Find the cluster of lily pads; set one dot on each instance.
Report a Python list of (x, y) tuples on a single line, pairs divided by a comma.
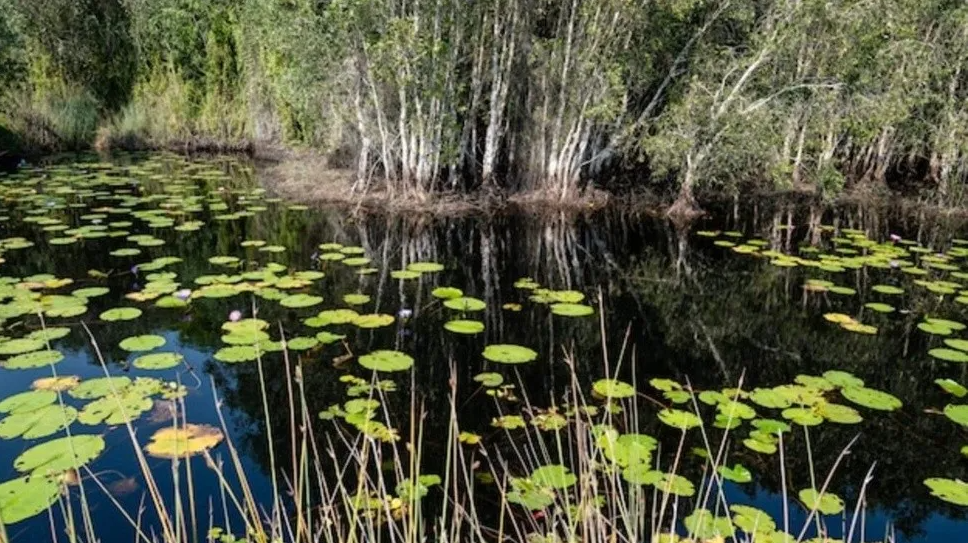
[(905, 268)]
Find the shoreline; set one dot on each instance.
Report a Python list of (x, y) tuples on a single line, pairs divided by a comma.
[(305, 177)]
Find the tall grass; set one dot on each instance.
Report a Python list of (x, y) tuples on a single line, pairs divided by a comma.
[(368, 478), (59, 118)]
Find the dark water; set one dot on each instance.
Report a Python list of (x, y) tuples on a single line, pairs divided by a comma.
[(685, 308)]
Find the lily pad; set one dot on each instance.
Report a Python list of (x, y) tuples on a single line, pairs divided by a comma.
[(874, 399), (158, 361), (509, 354), (572, 310), (142, 343), (373, 320), (736, 474), (613, 388), (300, 301), (948, 355), (952, 387), (99, 387), (20, 346), (26, 497), (121, 314), (957, 413), (386, 360), (116, 409), (39, 423), (61, 383), (826, 503), (24, 402), (236, 353), (36, 359), (356, 299), (465, 304), (180, 442), (950, 490), (554, 476), (677, 418), (425, 267), (464, 326), (59, 455), (447, 293)]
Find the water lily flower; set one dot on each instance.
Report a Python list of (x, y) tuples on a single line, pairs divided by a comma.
[(235, 315), (895, 238), (405, 313), (183, 294), (895, 263), (134, 269)]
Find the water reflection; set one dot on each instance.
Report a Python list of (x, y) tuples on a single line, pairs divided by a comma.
[(673, 305)]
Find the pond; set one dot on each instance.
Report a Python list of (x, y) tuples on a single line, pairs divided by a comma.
[(174, 336)]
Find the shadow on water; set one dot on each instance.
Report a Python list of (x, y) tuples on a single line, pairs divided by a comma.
[(680, 306)]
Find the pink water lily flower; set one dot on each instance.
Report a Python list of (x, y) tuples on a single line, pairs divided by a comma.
[(235, 315)]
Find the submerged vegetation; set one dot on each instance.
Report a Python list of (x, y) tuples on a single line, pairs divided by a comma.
[(266, 381), (550, 97)]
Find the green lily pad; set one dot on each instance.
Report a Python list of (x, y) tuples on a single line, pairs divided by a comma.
[(641, 474), (464, 326), (613, 388), (447, 293), (300, 300), (957, 413), (677, 485), (99, 387), (842, 379), (840, 414), (950, 490), (572, 310), (27, 497), (59, 455), (24, 402), (36, 359), (737, 474), (879, 307), (948, 355), (752, 520), (90, 292), (121, 314), (702, 524), (158, 361), (236, 354), (874, 399), (50, 334), (509, 354), (465, 304), (489, 379), (301, 343), (425, 267), (326, 338), (404, 275), (826, 503), (952, 387), (116, 409), (887, 289), (356, 299), (142, 343), (386, 360), (802, 416), (677, 418), (336, 316), (22, 345), (373, 320), (38, 423), (554, 476)]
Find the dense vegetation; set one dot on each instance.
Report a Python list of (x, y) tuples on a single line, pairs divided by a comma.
[(512, 95)]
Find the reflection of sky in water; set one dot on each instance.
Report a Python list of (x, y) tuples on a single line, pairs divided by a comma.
[(754, 316)]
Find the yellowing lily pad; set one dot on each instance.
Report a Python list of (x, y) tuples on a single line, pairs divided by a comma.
[(184, 441)]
